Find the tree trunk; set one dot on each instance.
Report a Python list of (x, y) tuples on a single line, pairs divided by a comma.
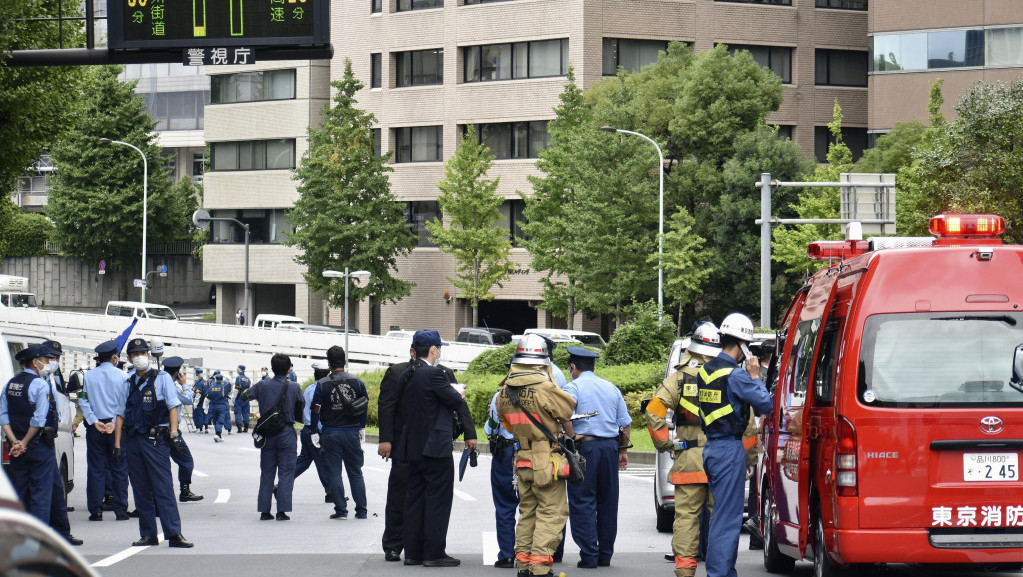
[(475, 293), (571, 313), (475, 312), (679, 325)]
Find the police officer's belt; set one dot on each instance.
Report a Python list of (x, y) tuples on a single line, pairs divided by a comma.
[(588, 438)]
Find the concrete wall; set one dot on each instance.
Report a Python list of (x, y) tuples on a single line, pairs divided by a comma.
[(67, 282)]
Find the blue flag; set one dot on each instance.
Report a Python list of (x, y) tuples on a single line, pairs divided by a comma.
[(123, 337)]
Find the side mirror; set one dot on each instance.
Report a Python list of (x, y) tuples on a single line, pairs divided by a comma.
[(1017, 367)]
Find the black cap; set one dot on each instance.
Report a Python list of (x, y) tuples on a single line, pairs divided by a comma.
[(138, 346), (173, 362), (336, 357), (106, 348)]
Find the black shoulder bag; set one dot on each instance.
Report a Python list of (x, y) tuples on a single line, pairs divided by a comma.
[(576, 462), (271, 423)]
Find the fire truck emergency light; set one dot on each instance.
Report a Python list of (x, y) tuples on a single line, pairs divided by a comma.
[(967, 226), (836, 249)]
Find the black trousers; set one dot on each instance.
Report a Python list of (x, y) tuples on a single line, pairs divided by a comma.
[(431, 485), (394, 510)]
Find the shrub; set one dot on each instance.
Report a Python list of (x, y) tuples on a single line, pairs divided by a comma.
[(644, 340), (28, 234), (492, 362), (372, 381)]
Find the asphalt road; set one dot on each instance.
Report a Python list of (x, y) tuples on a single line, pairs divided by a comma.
[(231, 540)]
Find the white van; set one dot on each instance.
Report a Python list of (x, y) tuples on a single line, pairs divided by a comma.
[(267, 321), (141, 310), (14, 292), (567, 336)]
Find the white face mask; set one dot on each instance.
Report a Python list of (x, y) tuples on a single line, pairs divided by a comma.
[(140, 362), (44, 371), (54, 366), (264, 374)]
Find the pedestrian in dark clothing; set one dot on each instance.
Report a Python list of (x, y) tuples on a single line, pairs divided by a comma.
[(279, 452)]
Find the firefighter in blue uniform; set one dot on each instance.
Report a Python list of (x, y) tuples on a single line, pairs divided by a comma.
[(502, 487), (726, 395), (58, 504), (28, 416), (98, 400), (147, 429), (219, 391), (604, 440), (241, 400), (184, 459), (199, 417)]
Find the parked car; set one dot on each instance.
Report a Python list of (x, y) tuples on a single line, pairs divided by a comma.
[(308, 328), (140, 310), (269, 321), (484, 336), (570, 336), (400, 334)]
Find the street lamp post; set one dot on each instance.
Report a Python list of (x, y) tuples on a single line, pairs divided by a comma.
[(145, 205), (346, 275), (660, 226), (202, 219)]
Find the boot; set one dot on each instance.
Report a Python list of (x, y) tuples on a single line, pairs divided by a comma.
[(187, 495), (239, 429)]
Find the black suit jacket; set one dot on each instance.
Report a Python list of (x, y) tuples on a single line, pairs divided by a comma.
[(389, 416), (427, 403)]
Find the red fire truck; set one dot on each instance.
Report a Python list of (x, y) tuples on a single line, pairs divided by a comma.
[(898, 421)]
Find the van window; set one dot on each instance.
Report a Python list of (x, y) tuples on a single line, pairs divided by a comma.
[(501, 338), (119, 311), (824, 374), (922, 360), (160, 313), (802, 353)]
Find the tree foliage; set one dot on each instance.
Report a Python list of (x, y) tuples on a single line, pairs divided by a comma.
[(470, 202), (345, 215), (28, 234), (96, 201), (644, 339), (687, 264)]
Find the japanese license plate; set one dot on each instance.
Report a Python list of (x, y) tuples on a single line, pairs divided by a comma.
[(990, 467)]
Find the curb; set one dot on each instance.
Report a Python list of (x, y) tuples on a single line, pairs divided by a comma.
[(635, 457)]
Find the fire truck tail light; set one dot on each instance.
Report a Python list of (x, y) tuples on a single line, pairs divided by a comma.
[(967, 225), (836, 249), (846, 479), (845, 449)]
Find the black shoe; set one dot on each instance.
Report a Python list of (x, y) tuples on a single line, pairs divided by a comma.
[(670, 557), (266, 517), (603, 563), (412, 561), (108, 504), (72, 539), (584, 565), (360, 515), (391, 555), (523, 573), (179, 541), (282, 516), (445, 561), (327, 498), (69, 509), (122, 516), (96, 517), (187, 495), (135, 513), (145, 542), (506, 563), (339, 515)]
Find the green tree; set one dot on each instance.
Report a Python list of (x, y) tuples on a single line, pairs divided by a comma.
[(28, 235), (645, 339), (894, 150), (96, 199), (346, 215), (686, 262), (469, 199)]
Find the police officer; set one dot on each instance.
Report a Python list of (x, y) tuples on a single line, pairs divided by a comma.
[(183, 460), (340, 409), (58, 504), (219, 391), (147, 430), (679, 394), (541, 469), (99, 399), (603, 439), (726, 394), (199, 416), (241, 400), (277, 455), (502, 484), (310, 454), (28, 417)]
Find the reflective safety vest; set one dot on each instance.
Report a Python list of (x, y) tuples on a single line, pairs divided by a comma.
[(719, 418)]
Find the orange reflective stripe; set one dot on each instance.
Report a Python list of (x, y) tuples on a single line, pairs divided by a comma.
[(749, 442), (661, 434), (520, 418), (523, 463), (657, 408), (541, 560), (688, 478), (685, 562), (523, 557)]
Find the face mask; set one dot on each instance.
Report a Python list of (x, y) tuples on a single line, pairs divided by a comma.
[(44, 370), (140, 362), (264, 374), (54, 367)]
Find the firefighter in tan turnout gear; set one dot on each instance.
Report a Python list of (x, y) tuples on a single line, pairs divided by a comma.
[(541, 470), (678, 395)]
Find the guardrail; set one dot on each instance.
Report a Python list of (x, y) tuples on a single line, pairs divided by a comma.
[(219, 346)]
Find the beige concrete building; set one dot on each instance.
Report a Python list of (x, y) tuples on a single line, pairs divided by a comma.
[(431, 67)]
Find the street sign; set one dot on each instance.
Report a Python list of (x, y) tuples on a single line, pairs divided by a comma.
[(219, 56), (102, 267), (148, 24), (201, 219), (139, 283), (162, 269)]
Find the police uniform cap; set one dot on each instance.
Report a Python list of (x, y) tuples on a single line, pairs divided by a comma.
[(106, 348), (33, 351), (53, 347), (198, 371), (427, 338), (137, 346), (241, 367), (581, 353), (173, 362)]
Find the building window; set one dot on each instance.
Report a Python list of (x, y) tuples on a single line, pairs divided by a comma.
[(776, 2), (955, 49), (948, 49), (276, 154), (854, 138), (470, 2), (632, 55), (417, 214), (377, 141), (374, 69), (177, 110), (511, 219), (419, 68), (406, 5), (1004, 47), (785, 131), (266, 226), (198, 166), (508, 140), (841, 68), (376, 6), (777, 59), (537, 59), (419, 144), (253, 86), (843, 4)]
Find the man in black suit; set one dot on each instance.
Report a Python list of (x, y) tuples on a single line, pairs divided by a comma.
[(389, 419), (428, 400)]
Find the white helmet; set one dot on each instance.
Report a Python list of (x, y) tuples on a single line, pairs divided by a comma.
[(531, 350), (739, 326), (705, 340)]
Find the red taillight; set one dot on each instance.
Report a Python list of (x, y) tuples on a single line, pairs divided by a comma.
[(836, 249), (967, 225), (845, 449)]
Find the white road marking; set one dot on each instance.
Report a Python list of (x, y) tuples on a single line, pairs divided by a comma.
[(223, 495), (198, 474), (251, 449), (121, 556), (490, 547), (377, 469), (464, 496)]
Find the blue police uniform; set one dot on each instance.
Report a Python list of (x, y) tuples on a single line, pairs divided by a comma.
[(102, 389), (144, 416), (241, 400), (219, 393), (310, 455), (199, 417), (724, 460), (278, 454), (183, 459), (502, 471), (58, 502), (593, 505)]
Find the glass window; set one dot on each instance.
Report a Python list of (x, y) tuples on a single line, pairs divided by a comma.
[(377, 141), (854, 138), (1004, 47), (507, 140), (419, 144), (495, 62), (841, 68), (511, 217), (900, 52), (497, 137), (254, 155), (785, 132), (374, 70), (406, 5), (777, 59), (253, 86), (629, 54), (417, 215), (843, 4), (545, 58), (419, 68), (225, 155), (955, 49), (376, 6), (824, 373), (537, 59)]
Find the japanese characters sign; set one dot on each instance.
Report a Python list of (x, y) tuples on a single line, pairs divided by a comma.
[(218, 56), (973, 516)]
